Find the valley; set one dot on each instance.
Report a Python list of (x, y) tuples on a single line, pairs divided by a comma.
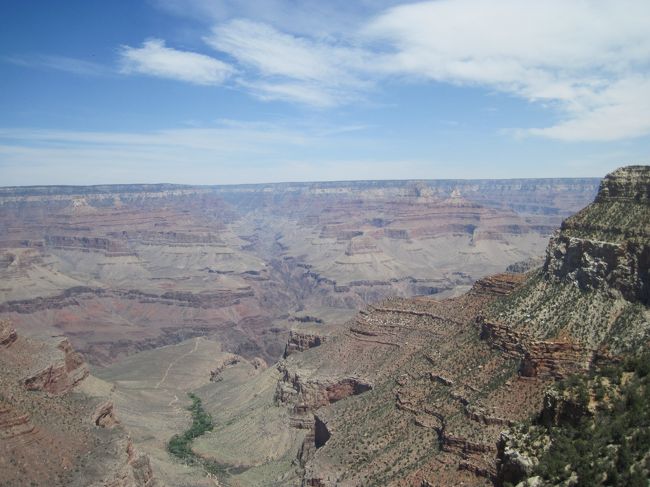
[(336, 333), (294, 243)]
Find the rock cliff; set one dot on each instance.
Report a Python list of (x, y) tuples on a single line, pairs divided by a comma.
[(607, 245), (51, 431), (301, 340)]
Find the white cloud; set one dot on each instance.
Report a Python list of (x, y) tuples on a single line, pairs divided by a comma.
[(314, 18), (589, 59), (586, 61), (154, 59), (619, 111), (284, 66)]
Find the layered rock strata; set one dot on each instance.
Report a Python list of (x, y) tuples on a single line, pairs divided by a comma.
[(120, 269), (52, 436), (607, 245), (539, 358)]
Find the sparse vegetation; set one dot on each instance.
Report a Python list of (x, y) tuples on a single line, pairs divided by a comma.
[(606, 441), (181, 445)]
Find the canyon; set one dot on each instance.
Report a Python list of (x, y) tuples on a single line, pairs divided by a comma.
[(419, 391), (360, 333), (122, 269)]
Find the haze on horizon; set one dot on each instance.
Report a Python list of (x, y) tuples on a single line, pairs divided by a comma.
[(218, 92)]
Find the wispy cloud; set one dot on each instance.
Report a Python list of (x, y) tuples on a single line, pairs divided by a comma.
[(288, 67), (60, 63), (230, 152), (155, 59), (312, 18), (589, 60)]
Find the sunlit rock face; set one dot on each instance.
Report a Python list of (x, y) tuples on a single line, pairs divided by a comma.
[(607, 244)]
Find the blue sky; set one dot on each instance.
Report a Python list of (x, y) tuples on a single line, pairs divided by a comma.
[(213, 92)]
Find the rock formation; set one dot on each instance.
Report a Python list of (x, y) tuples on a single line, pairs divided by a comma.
[(412, 391), (299, 341), (51, 436), (607, 245), (7, 334), (61, 374)]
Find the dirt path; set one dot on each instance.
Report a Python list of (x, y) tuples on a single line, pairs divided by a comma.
[(173, 362)]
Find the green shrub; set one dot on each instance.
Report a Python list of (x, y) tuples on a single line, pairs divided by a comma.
[(181, 445), (607, 447)]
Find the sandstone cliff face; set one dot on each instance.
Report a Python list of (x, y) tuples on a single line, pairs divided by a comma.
[(539, 358), (305, 393), (607, 245), (591, 264), (630, 183)]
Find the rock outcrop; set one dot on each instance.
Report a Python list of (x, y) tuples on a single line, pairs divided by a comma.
[(606, 246), (629, 183), (299, 341), (51, 436), (498, 284), (59, 377), (229, 361), (7, 334), (104, 415), (593, 264), (306, 394), (14, 424), (512, 464), (135, 470)]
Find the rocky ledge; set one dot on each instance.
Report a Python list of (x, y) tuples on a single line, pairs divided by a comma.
[(13, 423), (306, 395), (538, 358), (66, 371)]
